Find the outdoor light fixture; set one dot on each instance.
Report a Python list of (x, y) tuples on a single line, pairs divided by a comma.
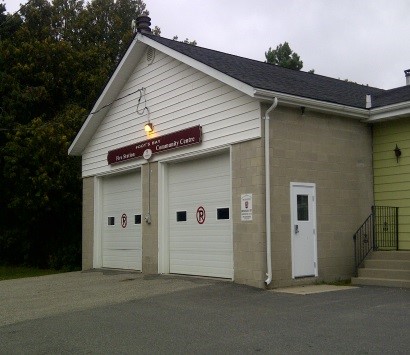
[(148, 127), (397, 153)]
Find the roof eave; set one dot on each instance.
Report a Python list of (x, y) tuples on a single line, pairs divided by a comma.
[(321, 106), (390, 112)]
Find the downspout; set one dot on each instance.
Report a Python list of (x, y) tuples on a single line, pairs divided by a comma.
[(267, 195)]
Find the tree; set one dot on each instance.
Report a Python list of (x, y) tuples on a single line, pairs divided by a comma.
[(54, 61), (284, 57), (43, 194), (186, 40)]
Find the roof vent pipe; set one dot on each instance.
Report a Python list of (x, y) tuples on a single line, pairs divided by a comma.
[(407, 73), (143, 24), (368, 101)]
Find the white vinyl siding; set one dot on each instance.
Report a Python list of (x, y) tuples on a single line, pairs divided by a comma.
[(121, 245), (178, 97), (200, 249)]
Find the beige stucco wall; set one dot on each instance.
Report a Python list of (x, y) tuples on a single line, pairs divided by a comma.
[(88, 223), (335, 153), (150, 231), (249, 245)]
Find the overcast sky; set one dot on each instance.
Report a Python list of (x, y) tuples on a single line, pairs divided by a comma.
[(366, 41)]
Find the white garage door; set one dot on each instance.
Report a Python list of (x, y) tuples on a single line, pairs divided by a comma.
[(121, 229), (200, 232)]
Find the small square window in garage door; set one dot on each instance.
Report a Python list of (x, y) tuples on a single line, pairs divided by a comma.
[(222, 213)]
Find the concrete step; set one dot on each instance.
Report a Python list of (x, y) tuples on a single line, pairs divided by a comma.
[(390, 255), (366, 281), (384, 274), (387, 264)]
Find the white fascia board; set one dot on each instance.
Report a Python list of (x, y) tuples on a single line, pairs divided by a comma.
[(390, 112), (109, 94), (322, 106), (226, 79)]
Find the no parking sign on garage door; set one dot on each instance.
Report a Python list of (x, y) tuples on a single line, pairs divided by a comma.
[(200, 215), (124, 220)]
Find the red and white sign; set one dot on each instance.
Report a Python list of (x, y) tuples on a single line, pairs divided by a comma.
[(175, 140), (200, 215), (246, 207), (123, 220)]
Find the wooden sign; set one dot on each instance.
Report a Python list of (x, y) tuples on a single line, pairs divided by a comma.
[(175, 140)]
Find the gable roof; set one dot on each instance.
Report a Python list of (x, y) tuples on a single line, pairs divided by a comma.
[(273, 78), (257, 79)]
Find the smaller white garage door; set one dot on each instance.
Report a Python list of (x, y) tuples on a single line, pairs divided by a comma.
[(200, 225), (121, 229)]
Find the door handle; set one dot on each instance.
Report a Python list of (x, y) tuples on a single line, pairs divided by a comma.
[(296, 229)]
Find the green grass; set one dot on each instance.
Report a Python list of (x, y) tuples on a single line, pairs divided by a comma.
[(339, 282), (18, 272)]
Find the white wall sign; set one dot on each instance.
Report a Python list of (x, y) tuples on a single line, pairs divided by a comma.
[(246, 207), (147, 154)]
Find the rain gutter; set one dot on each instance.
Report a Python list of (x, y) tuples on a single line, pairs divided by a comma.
[(321, 106)]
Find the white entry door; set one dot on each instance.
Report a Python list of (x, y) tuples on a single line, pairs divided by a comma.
[(303, 229)]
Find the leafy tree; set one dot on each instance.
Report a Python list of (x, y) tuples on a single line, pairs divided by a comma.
[(107, 24), (284, 57), (156, 31), (43, 191), (54, 61), (66, 18), (7, 22)]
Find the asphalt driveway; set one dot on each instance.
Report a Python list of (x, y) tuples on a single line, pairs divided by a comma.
[(107, 313)]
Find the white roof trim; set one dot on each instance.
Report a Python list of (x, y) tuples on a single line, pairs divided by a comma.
[(390, 112), (109, 94), (323, 106)]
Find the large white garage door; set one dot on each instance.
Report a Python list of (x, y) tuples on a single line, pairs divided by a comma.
[(200, 232), (121, 229)]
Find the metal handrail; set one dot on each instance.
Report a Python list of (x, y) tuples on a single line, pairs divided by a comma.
[(363, 241), (379, 231)]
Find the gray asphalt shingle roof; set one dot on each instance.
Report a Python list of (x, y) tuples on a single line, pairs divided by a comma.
[(270, 77), (391, 97)]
